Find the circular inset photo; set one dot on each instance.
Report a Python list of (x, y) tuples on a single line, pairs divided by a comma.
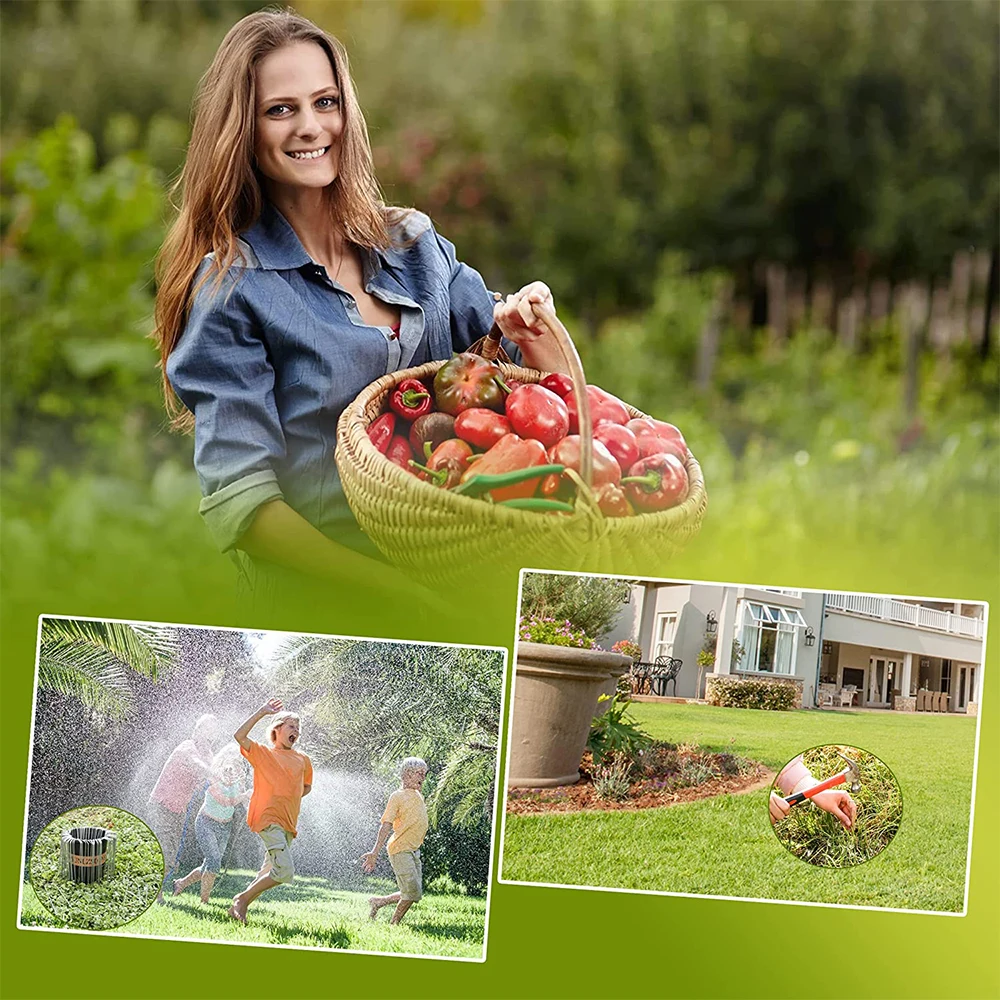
[(96, 868), (835, 806)]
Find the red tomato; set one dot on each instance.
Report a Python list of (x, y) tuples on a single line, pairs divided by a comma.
[(537, 413), (653, 444), (567, 452), (482, 428), (558, 383), (603, 406), (648, 425), (620, 441)]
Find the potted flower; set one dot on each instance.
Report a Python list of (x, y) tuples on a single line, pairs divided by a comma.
[(560, 672)]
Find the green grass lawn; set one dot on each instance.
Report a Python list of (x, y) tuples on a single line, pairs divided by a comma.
[(308, 913), (725, 846)]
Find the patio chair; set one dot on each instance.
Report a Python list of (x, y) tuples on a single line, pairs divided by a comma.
[(847, 693), (639, 677), (665, 669), (827, 692), (922, 700)]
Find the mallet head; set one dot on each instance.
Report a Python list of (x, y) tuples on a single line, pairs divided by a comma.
[(855, 773)]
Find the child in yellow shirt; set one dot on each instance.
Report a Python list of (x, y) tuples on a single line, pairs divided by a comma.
[(405, 818)]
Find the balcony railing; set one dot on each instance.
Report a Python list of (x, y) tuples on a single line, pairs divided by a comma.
[(890, 610)]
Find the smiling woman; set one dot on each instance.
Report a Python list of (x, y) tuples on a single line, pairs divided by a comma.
[(286, 286)]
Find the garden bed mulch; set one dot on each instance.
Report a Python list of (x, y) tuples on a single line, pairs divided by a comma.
[(655, 789)]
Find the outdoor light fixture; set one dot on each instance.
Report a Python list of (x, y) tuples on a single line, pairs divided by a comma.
[(810, 636), (827, 647), (711, 623)]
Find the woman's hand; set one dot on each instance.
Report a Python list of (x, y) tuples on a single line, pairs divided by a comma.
[(778, 808), (838, 803), (516, 318)]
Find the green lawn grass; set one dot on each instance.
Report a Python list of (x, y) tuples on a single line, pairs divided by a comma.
[(724, 846), (308, 913)]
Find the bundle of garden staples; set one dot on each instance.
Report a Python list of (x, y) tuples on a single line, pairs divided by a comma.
[(87, 853), (473, 462)]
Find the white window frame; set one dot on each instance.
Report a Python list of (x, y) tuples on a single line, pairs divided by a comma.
[(753, 618), (662, 645)]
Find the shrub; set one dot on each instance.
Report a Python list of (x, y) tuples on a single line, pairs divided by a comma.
[(615, 735), (591, 604), (751, 692), (550, 632), (612, 780), (693, 772)]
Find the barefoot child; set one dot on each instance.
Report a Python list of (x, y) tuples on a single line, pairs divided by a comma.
[(281, 776), (405, 817)]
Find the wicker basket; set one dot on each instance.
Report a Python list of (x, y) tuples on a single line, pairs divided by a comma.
[(444, 537)]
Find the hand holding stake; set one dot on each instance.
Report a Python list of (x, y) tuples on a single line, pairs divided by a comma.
[(851, 772)]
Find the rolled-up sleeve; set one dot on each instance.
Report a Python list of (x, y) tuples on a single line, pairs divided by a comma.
[(221, 371), (471, 303)]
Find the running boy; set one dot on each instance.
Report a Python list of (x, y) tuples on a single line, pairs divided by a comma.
[(281, 776), (405, 817)]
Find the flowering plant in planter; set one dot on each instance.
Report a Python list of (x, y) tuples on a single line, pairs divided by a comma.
[(628, 647), (550, 632)]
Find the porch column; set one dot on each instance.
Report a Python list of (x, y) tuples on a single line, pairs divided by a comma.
[(904, 680), (906, 702), (727, 629)]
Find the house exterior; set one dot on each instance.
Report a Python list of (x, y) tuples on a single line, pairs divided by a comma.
[(894, 652)]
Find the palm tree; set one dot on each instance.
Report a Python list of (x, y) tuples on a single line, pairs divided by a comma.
[(91, 660), (376, 702)]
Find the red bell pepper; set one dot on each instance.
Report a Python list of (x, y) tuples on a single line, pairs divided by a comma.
[(411, 399), (656, 483), (380, 431), (447, 464), (467, 381), (399, 452), (567, 452), (511, 453), (482, 428), (538, 413), (603, 406)]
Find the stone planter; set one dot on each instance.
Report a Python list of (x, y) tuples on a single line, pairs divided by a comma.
[(555, 699)]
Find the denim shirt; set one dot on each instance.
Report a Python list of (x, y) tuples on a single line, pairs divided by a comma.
[(270, 359)]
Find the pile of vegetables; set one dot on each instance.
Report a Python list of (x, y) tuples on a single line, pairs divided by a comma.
[(512, 444)]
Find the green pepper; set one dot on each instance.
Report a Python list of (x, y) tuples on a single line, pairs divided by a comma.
[(538, 504)]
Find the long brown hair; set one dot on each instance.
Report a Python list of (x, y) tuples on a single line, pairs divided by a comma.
[(219, 186)]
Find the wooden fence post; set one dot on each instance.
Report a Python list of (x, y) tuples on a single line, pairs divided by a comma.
[(708, 342), (776, 278), (912, 302)]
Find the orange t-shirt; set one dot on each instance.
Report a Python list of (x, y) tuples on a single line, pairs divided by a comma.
[(278, 779)]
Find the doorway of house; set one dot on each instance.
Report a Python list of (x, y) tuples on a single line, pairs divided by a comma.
[(881, 674), (855, 676)]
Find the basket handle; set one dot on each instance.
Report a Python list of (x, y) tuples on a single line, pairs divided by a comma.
[(490, 348)]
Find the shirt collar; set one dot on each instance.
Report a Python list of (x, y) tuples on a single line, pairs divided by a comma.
[(278, 248)]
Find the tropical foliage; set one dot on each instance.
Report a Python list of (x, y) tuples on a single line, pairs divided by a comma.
[(92, 661)]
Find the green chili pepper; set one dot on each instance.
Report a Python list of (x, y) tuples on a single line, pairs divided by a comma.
[(538, 504), (477, 485)]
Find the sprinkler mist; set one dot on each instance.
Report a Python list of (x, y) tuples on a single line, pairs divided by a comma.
[(87, 853)]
